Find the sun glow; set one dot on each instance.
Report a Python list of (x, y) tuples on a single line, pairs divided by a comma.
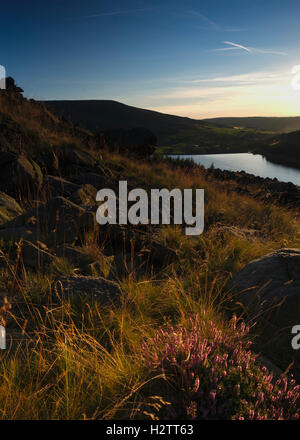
[(262, 94)]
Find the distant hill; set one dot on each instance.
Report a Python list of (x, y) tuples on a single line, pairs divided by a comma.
[(283, 148), (274, 124), (98, 115), (181, 134)]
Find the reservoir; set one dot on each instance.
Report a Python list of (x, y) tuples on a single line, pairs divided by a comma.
[(250, 163)]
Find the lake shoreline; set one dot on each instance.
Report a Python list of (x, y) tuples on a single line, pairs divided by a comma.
[(270, 190), (275, 158), (251, 163), (266, 189)]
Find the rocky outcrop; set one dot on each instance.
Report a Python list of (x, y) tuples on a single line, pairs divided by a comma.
[(282, 193), (74, 160), (62, 221), (87, 288), (57, 186), (55, 222), (11, 88), (67, 160), (76, 256), (9, 208), (85, 196), (97, 180), (19, 175), (242, 233), (269, 289), (268, 281), (15, 234), (36, 255)]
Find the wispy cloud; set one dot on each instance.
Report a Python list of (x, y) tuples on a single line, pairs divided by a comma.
[(209, 87), (249, 49), (243, 79), (264, 94), (121, 12), (212, 25), (251, 93)]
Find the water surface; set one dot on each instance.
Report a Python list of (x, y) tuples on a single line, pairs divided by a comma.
[(248, 162)]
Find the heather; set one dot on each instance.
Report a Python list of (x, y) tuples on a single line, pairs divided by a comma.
[(214, 374)]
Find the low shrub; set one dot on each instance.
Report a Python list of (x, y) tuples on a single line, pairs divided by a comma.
[(213, 374)]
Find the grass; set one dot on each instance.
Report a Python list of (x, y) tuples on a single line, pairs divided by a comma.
[(80, 361), (28, 126)]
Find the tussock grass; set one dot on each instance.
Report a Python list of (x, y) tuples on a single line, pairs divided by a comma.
[(83, 361)]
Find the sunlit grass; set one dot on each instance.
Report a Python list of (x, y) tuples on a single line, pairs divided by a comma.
[(83, 360)]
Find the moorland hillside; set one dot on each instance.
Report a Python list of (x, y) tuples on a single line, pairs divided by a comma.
[(138, 321)]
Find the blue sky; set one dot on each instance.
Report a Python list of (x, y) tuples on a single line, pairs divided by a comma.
[(192, 58)]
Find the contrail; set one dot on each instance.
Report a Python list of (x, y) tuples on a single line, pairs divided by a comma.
[(212, 24), (239, 46), (236, 46), (106, 14)]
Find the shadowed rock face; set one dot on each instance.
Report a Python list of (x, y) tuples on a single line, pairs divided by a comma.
[(75, 255), (58, 221), (57, 186), (269, 288), (270, 280), (9, 208), (19, 175), (97, 180), (11, 88)]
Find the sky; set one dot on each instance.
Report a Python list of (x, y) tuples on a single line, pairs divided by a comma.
[(189, 57)]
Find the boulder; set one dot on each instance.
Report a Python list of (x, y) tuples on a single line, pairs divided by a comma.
[(72, 158), (102, 267), (118, 239), (55, 222), (75, 255), (242, 233), (15, 234), (57, 186), (62, 221), (19, 175), (48, 161), (85, 196), (138, 263), (269, 289), (97, 180), (65, 160), (161, 255), (36, 255), (87, 288), (81, 194), (268, 281), (9, 208)]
